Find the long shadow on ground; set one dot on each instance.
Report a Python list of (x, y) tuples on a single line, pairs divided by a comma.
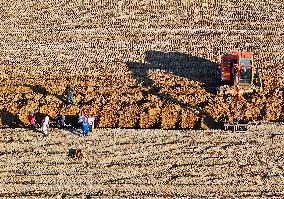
[(10, 119), (180, 64), (184, 65)]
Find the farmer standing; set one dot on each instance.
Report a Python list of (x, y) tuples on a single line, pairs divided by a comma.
[(85, 127), (32, 119), (91, 122), (60, 120), (45, 125), (69, 92)]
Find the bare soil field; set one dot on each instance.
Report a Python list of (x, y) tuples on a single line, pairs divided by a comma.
[(138, 63), (142, 163)]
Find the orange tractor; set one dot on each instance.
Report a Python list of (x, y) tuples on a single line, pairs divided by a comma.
[(237, 69)]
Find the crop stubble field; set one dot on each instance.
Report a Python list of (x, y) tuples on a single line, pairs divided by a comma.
[(143, 163), (141, 64), (137, 63)]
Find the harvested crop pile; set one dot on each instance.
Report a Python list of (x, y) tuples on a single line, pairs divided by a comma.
[(129, 117), (170, 116), (149, 53), (150, 117), (109, 116), (188, 119), (274, 105)]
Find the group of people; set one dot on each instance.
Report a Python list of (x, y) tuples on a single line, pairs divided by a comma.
[(87, 124)]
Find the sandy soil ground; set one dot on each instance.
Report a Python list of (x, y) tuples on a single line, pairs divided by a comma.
[(142, 163), (139, 64)]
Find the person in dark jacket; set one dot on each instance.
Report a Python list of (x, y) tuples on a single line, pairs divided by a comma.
[(69, 95), (60, 121)]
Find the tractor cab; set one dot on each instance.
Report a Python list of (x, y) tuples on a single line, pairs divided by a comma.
[(237, 68), (238, 64)]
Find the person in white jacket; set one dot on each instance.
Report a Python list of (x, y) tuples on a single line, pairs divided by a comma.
[(91, 122), (45, 125)]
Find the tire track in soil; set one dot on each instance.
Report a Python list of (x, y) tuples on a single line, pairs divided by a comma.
[(179, 162)]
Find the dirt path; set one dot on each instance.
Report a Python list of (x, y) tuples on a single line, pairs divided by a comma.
[(142, 163)]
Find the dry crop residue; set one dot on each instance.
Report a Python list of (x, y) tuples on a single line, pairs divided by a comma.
[(142, 163), (146, 64)]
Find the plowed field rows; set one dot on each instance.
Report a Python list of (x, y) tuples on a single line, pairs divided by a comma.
[(138, 63), (142, 163)]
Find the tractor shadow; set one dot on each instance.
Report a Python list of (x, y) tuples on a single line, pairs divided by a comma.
[(180, 64), (183, 65)]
